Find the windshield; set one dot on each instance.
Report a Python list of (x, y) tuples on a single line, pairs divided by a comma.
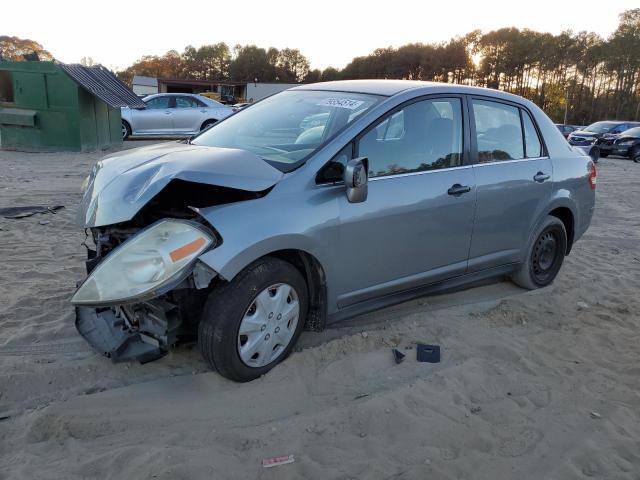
[(632, 132), (288, 127), (600, 127)]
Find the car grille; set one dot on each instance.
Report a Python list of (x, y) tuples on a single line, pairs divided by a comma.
[(579, 140)]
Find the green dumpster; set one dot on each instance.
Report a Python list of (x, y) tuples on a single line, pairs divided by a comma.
[(47, 106)]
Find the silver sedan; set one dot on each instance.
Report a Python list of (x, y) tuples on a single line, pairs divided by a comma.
[(172, 114)]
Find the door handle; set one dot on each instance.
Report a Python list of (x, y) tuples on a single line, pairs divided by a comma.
[(458, 189), (541, 177)]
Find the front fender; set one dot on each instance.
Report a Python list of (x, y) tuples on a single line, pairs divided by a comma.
[(255, 228)]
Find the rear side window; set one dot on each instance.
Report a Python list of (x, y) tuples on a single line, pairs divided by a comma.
[(532, 144), (424, 135), (186, 102), (498, 131)]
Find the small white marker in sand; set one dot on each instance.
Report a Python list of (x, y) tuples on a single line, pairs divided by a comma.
[(275, 461)]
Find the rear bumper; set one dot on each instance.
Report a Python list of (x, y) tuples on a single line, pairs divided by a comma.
[(143, 332)]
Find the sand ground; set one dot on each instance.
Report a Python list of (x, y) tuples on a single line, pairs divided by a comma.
[(532, 385)]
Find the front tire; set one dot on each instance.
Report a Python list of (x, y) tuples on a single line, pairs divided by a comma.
[(251, 324), (126, 130), (604, 154), (544, 255)]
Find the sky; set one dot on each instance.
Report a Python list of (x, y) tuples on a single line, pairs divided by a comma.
[(329, 32)]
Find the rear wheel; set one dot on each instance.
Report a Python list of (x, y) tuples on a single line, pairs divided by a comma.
[(208, 124), (634, 154), (126, 130), (251, 324), (544, 256)]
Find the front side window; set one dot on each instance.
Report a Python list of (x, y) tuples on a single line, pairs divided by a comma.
[(498, 131), (157, 103), (290, 126), (425, 135)]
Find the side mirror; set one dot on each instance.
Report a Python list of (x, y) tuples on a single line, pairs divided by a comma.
[(356, 179)]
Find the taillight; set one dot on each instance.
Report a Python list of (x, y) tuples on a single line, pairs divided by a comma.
[(592, 175)]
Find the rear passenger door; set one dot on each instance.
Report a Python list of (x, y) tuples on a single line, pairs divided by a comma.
[(513, 180)]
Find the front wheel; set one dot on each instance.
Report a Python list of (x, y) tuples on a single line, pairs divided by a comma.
[(251, 324), (544, 255), (126, 130)]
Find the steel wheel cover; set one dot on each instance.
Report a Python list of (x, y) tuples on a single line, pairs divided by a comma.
[(268, 325)]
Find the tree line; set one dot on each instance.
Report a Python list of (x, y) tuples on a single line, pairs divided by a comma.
[(218, 62), (578, 75)]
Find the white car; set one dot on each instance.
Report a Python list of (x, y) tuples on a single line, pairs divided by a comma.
[(172, 114)]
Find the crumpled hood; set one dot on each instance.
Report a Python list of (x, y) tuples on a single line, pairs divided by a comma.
[(122, 183)]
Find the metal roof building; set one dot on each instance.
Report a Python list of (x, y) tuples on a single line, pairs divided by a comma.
[(52, 106)]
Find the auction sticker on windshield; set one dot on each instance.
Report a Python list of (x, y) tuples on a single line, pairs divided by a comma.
[(340, 103)]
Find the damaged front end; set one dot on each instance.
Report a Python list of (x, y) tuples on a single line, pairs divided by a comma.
[(148, 293), (146, 288)]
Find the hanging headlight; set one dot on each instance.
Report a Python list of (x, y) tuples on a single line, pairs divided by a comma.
[(144, 264)]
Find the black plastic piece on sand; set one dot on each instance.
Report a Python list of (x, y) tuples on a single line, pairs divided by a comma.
[(428, 353), (16, 213), (398, 356)]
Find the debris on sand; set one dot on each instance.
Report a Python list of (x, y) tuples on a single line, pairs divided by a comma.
[(276, 461), (428, 353), (398, 356), (16, 213)]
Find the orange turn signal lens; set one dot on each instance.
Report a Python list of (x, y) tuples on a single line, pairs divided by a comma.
[(186, 250)]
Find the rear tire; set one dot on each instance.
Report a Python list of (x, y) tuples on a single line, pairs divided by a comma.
[(229, 304), (545, 255), (126, 130), (634, 154), (208, 124)]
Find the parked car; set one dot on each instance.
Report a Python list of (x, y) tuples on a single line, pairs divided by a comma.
[(172, 114), (566, 129), (627, 144), (600, 135), (228, 99), (240, 106), (248, 235)]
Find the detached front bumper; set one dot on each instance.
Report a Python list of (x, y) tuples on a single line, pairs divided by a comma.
[(142, 332)]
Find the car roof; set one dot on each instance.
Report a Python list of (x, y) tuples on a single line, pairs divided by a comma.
[(390, 88), (617, 122), (374, 87)]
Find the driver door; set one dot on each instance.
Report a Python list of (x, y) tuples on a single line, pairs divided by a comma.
[(155, 119), (415, 226)]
